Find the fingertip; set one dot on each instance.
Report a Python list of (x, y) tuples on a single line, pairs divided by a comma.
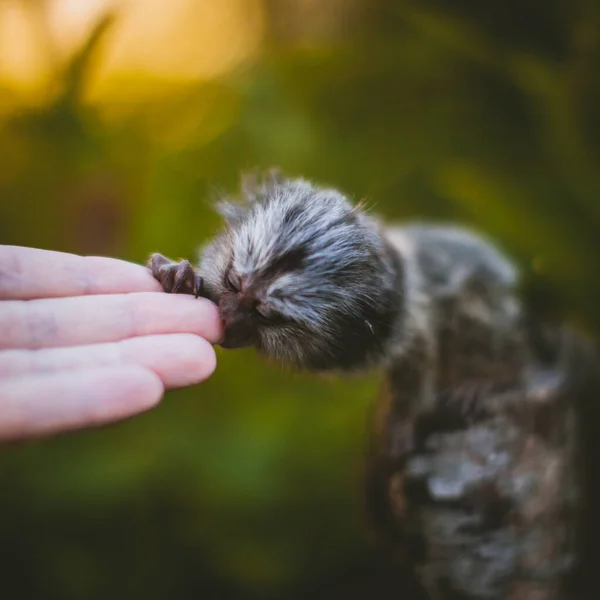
[(207, 360), (143, 386), (201, 315), (176, 313), (213, 325), (196, 362), (110, 275), (119, 392)]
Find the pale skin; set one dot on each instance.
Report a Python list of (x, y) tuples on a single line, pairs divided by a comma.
[(86, 341)]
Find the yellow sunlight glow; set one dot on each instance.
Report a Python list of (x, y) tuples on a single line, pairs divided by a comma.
[(174, 40)]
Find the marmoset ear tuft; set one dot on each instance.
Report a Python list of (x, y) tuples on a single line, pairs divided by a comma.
[(254, 184), (232, 212)]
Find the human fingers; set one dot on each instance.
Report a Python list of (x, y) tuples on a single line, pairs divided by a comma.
[(87, 320), (178, 359), (28, 273), (49, 403)]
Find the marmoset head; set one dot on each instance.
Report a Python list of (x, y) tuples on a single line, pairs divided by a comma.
[(304, 276)]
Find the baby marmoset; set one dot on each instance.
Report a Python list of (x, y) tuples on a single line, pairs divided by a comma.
[(315, 282)]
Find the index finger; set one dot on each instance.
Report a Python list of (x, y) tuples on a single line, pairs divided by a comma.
[(29, 273)]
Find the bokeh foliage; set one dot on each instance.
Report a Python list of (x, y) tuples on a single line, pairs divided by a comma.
[(249, 485)]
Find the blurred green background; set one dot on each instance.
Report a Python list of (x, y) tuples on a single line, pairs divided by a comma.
[(121, 121)]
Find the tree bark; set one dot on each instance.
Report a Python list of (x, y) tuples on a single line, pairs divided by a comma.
[(489, 493)]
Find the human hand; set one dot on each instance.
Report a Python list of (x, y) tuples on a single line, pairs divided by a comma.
[(88, 340)]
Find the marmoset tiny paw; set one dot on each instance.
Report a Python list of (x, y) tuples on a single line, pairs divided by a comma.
[(175, 277)]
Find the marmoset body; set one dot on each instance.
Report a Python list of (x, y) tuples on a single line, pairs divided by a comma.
[(478, 496)]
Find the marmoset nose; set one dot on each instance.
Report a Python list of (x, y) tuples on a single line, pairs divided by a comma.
[(251, 292), (248, 300), (236, 313)]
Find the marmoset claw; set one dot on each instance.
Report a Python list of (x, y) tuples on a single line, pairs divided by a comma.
[(175, 277)]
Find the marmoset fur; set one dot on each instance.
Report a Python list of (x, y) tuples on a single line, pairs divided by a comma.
[(315, 282)]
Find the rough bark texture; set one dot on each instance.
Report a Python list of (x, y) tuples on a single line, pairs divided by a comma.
[(484, 494)]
